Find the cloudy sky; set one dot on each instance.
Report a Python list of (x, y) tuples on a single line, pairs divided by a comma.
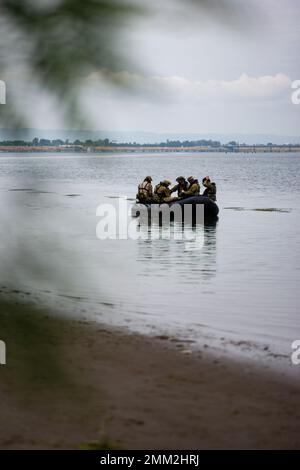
[(211, 70)]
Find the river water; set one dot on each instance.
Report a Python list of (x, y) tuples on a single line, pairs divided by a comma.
[(239, 292)]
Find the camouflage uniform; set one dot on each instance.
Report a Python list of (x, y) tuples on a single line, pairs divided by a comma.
[(145, 191), (162, 192), (193, 189), (211, 191), (181, 186)]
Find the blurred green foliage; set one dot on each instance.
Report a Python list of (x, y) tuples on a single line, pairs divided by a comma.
[(33, 340), (55, 44)]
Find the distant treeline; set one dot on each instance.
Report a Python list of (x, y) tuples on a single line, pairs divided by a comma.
[(107, 143), (213, 144), (34, 143)]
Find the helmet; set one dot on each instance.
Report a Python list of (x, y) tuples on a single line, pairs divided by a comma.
[(148, 178), (180, 178), (190, 179), (166, 182)]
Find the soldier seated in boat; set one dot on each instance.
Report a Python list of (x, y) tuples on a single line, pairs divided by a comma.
[(182, 185), (210, 188), (162, 192), (193, 188), (145, 191)]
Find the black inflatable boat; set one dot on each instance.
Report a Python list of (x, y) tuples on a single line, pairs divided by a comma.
[(211, 209)]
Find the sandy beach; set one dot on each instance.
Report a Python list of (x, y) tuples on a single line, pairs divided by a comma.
[(71, 384)]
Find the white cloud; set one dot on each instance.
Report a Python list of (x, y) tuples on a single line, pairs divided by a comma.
[(180, 89)]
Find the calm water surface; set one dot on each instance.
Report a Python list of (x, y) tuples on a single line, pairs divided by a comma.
[(239, 292)]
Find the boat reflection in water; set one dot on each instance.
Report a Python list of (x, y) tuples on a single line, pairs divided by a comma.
[(180, 252)]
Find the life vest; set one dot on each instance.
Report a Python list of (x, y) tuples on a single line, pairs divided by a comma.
[(193, 189), (161, 191), (144, 190)]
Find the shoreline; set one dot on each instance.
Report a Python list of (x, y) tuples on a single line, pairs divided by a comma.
[(219, 344), (250, 149), (123, 390)]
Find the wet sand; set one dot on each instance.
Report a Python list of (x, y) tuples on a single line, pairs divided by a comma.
[(127, 391)]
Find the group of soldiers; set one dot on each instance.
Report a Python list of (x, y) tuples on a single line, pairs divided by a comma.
[(184, 188)]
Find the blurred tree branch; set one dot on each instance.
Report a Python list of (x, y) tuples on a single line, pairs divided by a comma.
[(54, 44), (59, 43)]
